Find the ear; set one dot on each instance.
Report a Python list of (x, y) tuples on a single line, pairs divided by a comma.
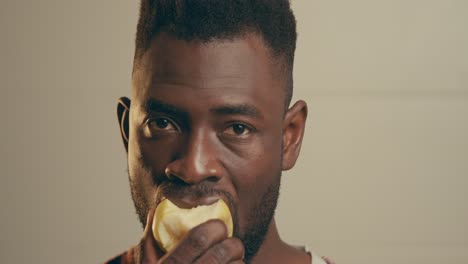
[(293, 132), (123, 112)]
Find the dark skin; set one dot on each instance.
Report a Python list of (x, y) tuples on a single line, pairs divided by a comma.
[(207, 121)]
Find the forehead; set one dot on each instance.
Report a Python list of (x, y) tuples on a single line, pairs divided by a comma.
[(217, 70)]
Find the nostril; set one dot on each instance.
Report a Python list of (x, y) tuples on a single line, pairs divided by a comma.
[(178, 181), (212, 179)]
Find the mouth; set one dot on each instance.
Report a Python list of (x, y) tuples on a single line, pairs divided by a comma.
[(192, 197), (192, 202)]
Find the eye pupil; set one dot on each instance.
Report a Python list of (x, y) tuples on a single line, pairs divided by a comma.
[(162, 123), (238, 129)]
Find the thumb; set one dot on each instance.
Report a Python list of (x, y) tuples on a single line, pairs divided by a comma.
[(148, 250), (149, 223)]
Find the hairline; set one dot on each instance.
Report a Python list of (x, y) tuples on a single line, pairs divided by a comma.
[(284, 66)]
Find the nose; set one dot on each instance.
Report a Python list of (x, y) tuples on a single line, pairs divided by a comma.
[(197, 162)]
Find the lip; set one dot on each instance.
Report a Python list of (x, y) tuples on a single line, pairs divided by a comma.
[(190, 202)]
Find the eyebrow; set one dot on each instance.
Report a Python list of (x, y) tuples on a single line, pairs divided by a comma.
[(238, 109), (153, 106)]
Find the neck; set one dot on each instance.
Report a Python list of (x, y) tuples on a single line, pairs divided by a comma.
[(275, 250)]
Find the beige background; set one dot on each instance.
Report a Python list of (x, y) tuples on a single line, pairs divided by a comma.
[(383, 175)]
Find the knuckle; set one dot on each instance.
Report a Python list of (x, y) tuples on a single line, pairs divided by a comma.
[(221, 228), (171, 260), (203, 235), (220, 253), (227, 250), (216, 227), (197, 239)]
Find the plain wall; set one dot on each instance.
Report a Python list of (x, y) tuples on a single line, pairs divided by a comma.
[(383, 173)]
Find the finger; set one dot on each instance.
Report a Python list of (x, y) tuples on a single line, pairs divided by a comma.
[(150, 251), (197, 241), (237, 262), (230, 249), (149, 222)]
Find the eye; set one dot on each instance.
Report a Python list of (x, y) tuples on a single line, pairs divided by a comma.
[(160, 124), (238, 129)]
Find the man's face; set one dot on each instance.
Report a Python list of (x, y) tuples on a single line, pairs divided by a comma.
[(206, 123)]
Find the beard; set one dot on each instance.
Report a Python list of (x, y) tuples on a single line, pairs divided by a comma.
[(258, 219)]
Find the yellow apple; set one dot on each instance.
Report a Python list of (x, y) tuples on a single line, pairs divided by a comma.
[(171, 223)]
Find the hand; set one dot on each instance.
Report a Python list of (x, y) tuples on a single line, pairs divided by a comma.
[(206, 243)]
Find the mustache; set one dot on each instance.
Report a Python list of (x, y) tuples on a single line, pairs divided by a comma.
[(178, 190)]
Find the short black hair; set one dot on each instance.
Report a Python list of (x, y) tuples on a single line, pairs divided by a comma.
[(209, 20)]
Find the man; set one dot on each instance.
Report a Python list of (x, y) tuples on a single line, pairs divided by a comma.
[(210, 118)]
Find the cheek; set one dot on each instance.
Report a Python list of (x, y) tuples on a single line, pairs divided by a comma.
[(150, 155), (146, 163), (258, 162), (253, 174)]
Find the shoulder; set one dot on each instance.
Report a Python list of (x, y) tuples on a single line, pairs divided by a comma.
[(317, 259), (124, 258), (328, 261)]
